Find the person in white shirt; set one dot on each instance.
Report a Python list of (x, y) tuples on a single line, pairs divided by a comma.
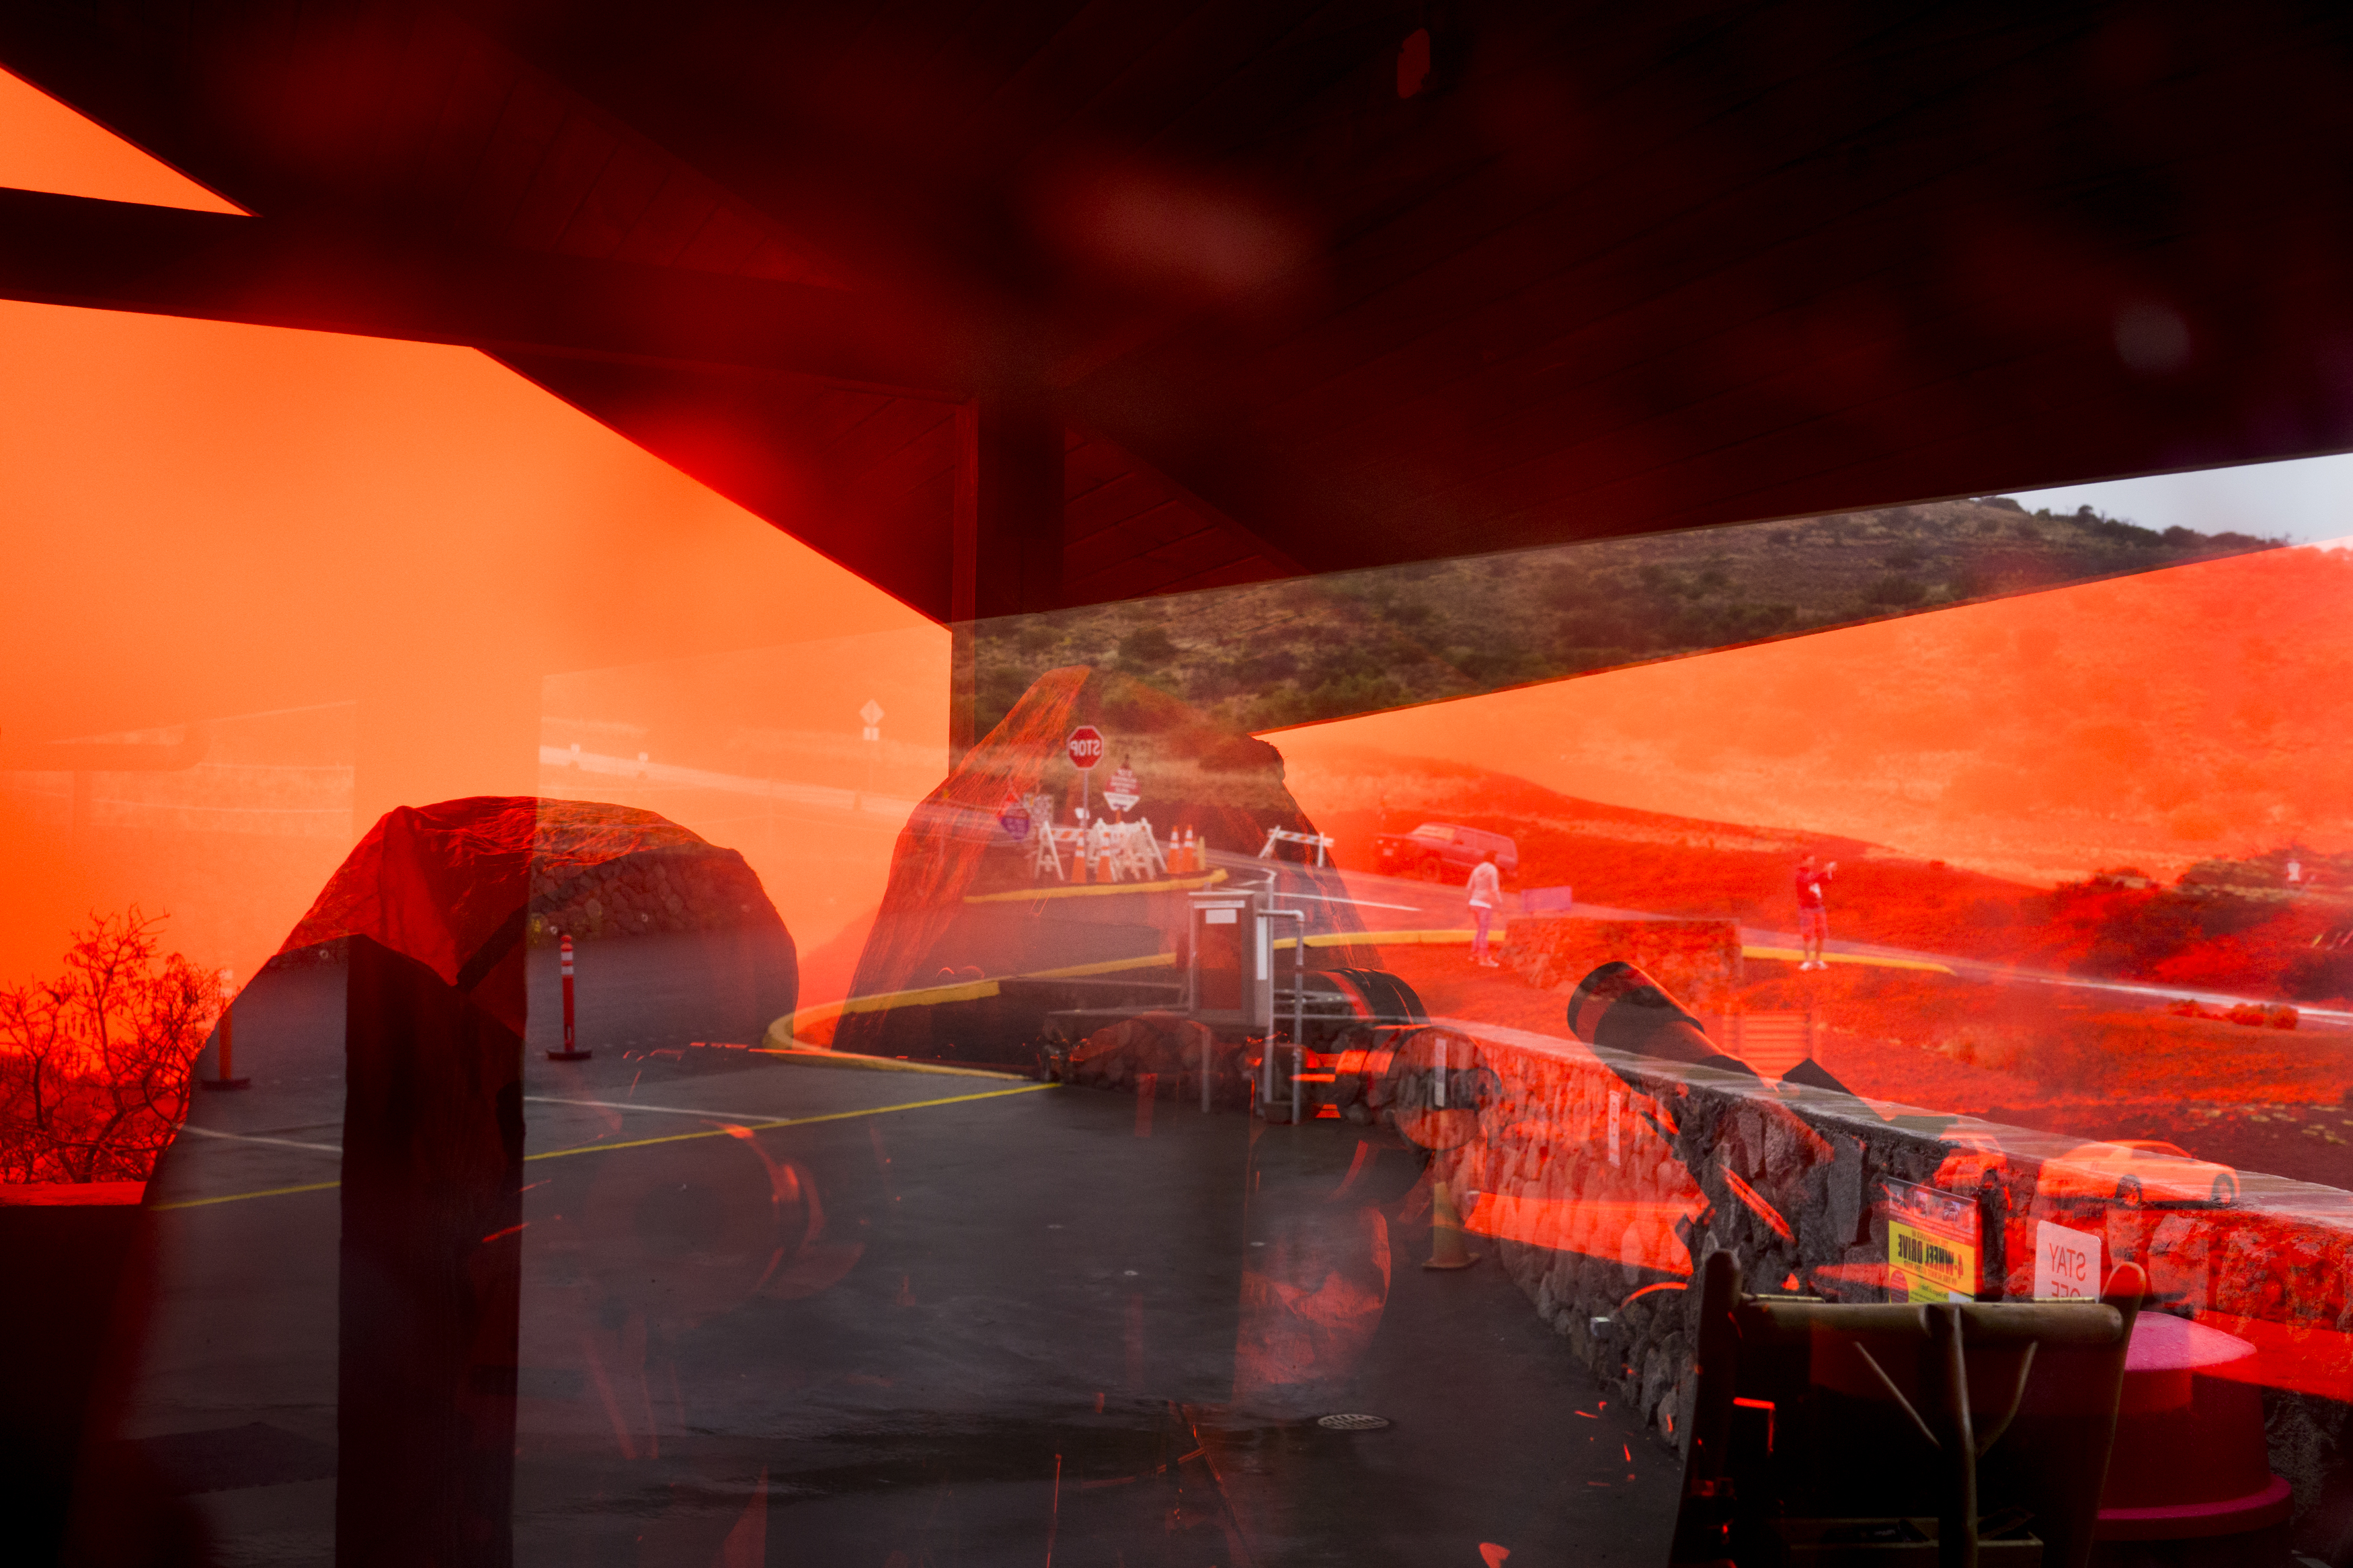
[(1486, 893)]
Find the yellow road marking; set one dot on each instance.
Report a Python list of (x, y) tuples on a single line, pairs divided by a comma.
[(820, 1057), (1090, 889), (1101, 967), (1793, 955), (1389, 938), (784, 1034), (731, 1131), (265, 1193)]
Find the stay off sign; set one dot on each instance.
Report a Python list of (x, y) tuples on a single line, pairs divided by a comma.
[(2066, 1263)]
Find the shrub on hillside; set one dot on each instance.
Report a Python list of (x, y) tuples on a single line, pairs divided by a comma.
[(94, 1064), (1146, 647), (1896, 590)]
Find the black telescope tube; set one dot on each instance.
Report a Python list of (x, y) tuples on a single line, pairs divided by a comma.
[(1619, 1008)]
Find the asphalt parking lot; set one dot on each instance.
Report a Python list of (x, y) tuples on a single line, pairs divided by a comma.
[(784, 1314)]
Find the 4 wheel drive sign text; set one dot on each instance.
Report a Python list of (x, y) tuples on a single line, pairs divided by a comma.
[(1933, 1239)]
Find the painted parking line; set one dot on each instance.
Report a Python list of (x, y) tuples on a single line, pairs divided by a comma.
[(734, 1129), (257, 1138), (734, 1116)]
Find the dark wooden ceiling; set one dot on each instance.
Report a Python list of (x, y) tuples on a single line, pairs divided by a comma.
[(1611, 269)]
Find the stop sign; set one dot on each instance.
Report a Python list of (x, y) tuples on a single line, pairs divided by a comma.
[(1085, 746)]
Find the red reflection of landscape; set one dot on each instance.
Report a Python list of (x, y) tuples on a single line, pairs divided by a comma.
[(2153, 720), (330, 575), (353, 564)]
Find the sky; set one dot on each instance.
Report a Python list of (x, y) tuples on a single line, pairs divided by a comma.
[(2308, 500)]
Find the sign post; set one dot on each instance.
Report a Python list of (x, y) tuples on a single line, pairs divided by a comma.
[(870, 716), (571, 1051), (1085, 747)]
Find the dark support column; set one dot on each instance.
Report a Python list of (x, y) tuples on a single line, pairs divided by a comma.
[(1008, 530), (431, 1266)]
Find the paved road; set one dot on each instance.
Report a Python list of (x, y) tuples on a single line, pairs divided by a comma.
[(1392, 903), (952, 1319)]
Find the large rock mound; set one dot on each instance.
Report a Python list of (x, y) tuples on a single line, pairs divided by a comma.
[(673, 889)]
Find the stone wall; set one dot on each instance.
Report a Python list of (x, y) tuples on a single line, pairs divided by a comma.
[(681, 888), (1697, 960), (1599, 1229)]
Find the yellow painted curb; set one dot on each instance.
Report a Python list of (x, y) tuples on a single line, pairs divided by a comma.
[(1104, 966), (818, 1057), (1393, 939), (1797, 955), (1090, 889), (784, 1034)]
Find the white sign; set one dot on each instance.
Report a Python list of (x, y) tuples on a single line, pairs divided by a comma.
[(871, 714), (2066, 1263), (1121, 794)]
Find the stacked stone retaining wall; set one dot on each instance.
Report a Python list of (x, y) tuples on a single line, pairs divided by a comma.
[(683, 887), (1600, 1176)]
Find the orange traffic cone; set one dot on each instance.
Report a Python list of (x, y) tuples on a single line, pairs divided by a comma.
[(1446, 1248)]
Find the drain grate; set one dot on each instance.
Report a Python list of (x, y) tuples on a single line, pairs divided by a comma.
[(1352, 1422)]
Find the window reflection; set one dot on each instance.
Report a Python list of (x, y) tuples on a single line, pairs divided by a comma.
[(1238, 1089)]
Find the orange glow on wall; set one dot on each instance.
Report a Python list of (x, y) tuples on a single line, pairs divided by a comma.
[(320, 576)]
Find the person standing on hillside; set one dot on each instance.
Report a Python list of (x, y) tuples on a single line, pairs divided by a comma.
[(1486, 893), (1813, 920)]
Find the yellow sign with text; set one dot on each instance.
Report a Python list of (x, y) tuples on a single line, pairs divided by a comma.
[(1933, 1244)]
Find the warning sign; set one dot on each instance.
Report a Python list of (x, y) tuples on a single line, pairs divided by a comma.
[(1934, 1241), (1013, 816), (2066, 1263)]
